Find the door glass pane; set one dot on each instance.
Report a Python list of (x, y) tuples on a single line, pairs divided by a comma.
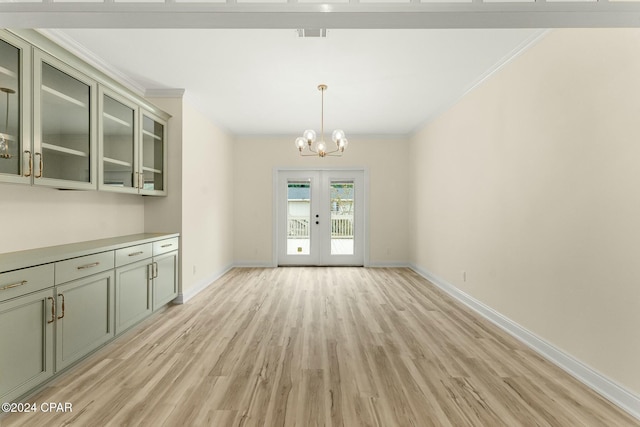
[(66, 124), (298, 218), (152, 155), (118, 143), (9, 109), (342, 208)]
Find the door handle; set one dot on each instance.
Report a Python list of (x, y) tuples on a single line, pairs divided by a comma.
[(53, 310), (61, 316)]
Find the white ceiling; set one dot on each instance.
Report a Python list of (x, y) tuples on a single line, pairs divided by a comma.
[(263, 82)]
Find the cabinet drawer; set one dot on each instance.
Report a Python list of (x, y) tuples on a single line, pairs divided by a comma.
[(76, 268), (20, 282), (164, 246), (133, 253)]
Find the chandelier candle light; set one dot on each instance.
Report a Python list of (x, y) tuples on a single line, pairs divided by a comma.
[(320, 149)]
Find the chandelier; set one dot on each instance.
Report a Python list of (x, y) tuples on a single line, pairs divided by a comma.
[(308, 138)]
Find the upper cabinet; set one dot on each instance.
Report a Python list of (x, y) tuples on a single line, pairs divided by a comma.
[(66, 125), (15, 139), (132, 144), (118, 143), (153, 154), (63, 125)]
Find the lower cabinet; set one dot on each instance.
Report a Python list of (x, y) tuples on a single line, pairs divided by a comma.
[(54, 313), (85, 316), (165, 278), (26, 343), (133, 294)]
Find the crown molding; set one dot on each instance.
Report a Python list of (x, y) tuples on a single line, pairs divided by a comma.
[(164, 93), (76, 48)]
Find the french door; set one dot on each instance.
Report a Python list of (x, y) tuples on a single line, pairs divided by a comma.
[(320, 217)]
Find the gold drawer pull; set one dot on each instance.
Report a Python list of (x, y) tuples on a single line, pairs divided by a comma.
[(30, 163), (62, 316), (136, 253), (53, 310), (13, 285), (41, 163), (82, 267), (167, 245)]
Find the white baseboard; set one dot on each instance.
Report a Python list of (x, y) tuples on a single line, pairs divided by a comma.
[(200, 286), (253, 264), (391, 264), (620, 396)]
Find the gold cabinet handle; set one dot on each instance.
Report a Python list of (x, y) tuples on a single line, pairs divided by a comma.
[(53, 310), (83, 267), (136, 253), (14, 285), (61, 316), (41, 163), (167, 245), (155, 270), (30, 163), (150, 271)]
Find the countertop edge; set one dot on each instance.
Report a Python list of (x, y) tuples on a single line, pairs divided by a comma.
[(11, 261)]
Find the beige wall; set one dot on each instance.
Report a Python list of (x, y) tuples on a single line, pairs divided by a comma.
[(32, 217), (531, 184), (207, 199), (386, 161)]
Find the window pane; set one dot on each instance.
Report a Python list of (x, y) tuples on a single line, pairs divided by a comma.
[(298, 217), (342, 208)]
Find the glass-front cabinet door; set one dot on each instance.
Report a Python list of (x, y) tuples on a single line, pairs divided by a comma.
[(153, 155), (118, 142), (64, 125), (15, 139)]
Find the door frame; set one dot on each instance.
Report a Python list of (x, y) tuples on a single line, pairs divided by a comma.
[(276, 205)]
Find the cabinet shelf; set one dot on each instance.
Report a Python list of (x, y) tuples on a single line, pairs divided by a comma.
[(62, 96), (152, 135), (117, 162), (8, 72), (7, 136), (64, 150), (146, 169), (116, 120)]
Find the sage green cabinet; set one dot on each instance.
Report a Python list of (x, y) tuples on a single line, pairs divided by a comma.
[(165, 279), (133, 294), (15, 108), (26, 343), (153, 154), (85, 316), (64, 128), (60, 303), (118, 138)]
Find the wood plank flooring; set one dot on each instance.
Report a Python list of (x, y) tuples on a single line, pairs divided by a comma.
[(319, 347)]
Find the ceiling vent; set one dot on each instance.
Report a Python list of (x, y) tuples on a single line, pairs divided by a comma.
[(312, 32)]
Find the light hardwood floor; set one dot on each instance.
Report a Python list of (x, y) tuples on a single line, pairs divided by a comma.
[(315, 347)]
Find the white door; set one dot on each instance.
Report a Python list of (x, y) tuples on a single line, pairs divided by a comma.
[(320, 217)]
